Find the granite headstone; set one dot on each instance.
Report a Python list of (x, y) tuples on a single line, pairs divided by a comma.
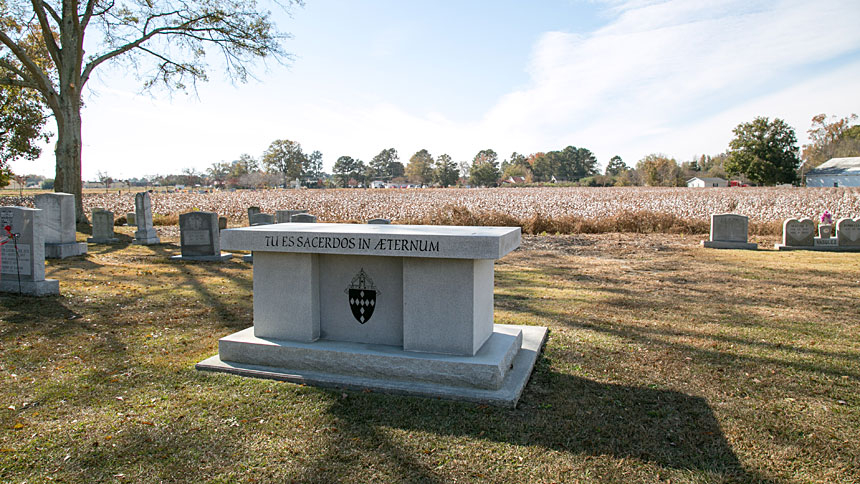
[(848, 232), (22, 254), (200, 238), (284, 216), (58, 217), (102, 227), (729, 231), (145, 234), (798, 233), (305, 218)]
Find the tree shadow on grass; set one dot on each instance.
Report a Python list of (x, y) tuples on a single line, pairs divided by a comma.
[(558, 412)]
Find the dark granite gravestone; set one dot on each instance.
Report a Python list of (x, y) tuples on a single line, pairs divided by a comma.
[(200, 238)]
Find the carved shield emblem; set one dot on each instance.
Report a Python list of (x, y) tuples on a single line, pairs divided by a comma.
[(362, 297)]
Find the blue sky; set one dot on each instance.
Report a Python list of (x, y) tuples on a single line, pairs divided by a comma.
[(618, 77)]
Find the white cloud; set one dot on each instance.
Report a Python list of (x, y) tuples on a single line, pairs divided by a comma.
[(662, 76)]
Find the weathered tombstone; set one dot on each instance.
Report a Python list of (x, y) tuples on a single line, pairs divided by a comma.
[(848, 232), (22, 257), (102, 227), (129, 219), (145, 234), (262, 219), (797, 233), (58, 219), (284, 216), (729, 231), (379, 221), (406, 309), (303, 218), (251, 212), (200, 238), (222, 223)]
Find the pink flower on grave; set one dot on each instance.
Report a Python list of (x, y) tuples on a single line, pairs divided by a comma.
[(826, 217)]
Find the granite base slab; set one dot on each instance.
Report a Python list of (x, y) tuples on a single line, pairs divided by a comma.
[(248, 257), (48, 287), (396, 371), (93, 240), (62, 251), (719, 244), (817, 248), (149, 241), (203, 258)]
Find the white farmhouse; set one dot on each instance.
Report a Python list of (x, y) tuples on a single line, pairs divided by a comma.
[(836, 172), (702, 182)]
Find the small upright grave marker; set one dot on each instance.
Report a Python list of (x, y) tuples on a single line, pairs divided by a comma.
[(305, 218), (102, 227), (129, 219), (729, 231), (145, 234), (251, 212), (58, 217), (262, 219), (284, 216), (22, 253), (200, 238)]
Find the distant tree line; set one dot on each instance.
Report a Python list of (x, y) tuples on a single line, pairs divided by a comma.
[(763, 151)]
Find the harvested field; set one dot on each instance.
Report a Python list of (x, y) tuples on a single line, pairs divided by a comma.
[(537, 210)]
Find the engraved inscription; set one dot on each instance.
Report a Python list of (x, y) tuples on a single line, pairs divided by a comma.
[(196, 237), (9, 257)]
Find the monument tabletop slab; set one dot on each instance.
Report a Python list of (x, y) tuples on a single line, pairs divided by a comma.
[(429, 241)]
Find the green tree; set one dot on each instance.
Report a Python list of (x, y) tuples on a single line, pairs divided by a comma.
[(658, 170), (166, 41), (485, 169), (219, 172), (385, 165), (446, 173), (346, 168), (616, 166), (836, 138), (574, 163), (545, 166), (764, 151), (517, 165), (313, 165), (22, 121), (420, 167), (285, 157)]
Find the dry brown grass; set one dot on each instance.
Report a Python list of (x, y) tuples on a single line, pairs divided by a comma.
[(665, 362)]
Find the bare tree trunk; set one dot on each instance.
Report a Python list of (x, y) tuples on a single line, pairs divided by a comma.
[(68, 152)]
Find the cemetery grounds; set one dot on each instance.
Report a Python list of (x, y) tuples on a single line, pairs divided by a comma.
[(665, 362)]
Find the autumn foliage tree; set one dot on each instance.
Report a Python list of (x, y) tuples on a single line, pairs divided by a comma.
[(834, 138), (167, 42)]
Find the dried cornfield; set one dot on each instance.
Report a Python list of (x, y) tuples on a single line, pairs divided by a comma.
[(636, 209)]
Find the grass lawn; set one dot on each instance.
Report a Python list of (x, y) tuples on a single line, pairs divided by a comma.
[(665, 362)]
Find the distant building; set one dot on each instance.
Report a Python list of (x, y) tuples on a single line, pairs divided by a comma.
[(704, 182), (836, 172)]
